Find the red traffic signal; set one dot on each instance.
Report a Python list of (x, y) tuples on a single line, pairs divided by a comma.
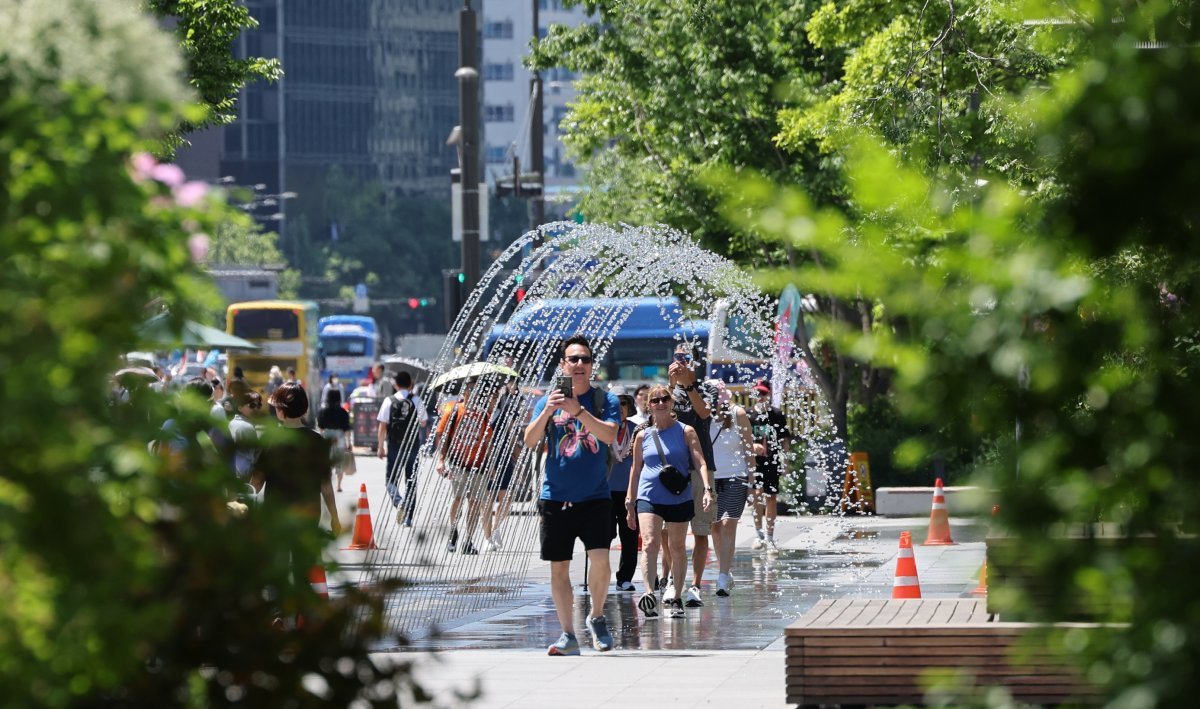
[(414, 303)]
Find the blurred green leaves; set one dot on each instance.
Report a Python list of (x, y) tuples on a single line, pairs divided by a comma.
[(1062, 308), (127, 579)]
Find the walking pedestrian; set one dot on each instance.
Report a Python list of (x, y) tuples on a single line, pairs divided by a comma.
[(509, 417), (693, 402), (575, 503), (242, 432), (660, 494), (334, 422), (733, 449), (618, 484), (401, 414), (771, 443), (463, 441)]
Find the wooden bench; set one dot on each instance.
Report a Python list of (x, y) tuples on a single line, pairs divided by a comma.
[(874, 652)]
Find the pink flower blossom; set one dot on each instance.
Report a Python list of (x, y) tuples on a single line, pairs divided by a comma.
[(168, 174), (143, 165), (190, 193), (198, 247)]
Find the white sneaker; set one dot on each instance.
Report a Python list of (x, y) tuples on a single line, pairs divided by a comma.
[(758, 544), (668, 593), (724, 585), (488, 545), (495, 542), (691, 598), (771, 545)]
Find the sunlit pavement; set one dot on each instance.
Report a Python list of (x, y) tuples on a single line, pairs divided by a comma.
[(729, 652)]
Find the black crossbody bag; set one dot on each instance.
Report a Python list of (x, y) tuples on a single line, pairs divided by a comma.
[(672, 479)]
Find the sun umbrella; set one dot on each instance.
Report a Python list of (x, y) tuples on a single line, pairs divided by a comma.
[(158, 331), (468, 371)]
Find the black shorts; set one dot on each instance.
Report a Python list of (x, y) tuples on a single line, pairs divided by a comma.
[(502, 479), (767, 481), (589, 521), (683, 512)]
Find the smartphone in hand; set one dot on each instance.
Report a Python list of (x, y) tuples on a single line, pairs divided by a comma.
[(563, 384)]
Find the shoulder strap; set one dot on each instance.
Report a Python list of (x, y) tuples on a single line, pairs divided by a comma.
[(658, 445), (599, 399)]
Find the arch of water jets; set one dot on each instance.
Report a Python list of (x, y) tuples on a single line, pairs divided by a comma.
[(562, 261)]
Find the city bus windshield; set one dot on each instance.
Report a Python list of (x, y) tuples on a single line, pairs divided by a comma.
[(266, 324), (344, 346)]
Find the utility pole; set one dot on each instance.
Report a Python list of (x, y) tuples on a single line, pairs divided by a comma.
[(468, 114), (537, 152)]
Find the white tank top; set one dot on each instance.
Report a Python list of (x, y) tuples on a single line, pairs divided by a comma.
[(727, 451)]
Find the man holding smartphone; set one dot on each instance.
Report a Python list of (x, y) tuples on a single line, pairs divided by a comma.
[(693, 406), (575, 502)]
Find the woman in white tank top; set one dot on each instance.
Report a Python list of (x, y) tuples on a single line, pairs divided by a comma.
[(733, 451)]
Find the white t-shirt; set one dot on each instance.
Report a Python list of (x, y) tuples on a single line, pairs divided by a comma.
[(727, 450), (385, 409)]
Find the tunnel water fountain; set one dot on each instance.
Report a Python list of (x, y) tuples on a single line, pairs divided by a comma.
[(572, 262)]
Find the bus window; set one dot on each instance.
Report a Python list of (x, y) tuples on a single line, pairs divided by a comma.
[(344, 346)]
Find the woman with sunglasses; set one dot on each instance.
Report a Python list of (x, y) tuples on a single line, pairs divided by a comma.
[(650, 505)]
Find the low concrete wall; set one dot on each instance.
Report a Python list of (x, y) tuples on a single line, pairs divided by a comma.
[(917, 501)]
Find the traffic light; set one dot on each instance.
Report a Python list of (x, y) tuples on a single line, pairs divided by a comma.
[(414, 303), (520, 292), (453, 295)]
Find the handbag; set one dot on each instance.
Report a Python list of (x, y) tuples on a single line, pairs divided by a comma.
[(675, 481)]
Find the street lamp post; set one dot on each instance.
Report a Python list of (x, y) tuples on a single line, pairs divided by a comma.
[(537, 156), (468, 112)]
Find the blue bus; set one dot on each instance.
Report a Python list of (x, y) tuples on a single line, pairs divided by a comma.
[(639, 351), (347, 346)]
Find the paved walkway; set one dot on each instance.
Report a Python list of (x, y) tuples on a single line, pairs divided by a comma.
[(728, 653)]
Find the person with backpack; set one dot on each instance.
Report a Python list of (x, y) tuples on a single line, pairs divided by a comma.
[(400, 417), (463, 443)]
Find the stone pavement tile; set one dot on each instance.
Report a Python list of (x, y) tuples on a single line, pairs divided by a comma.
[(632, 679)]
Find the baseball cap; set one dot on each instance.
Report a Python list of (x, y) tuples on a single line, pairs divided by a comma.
[(763, 387)]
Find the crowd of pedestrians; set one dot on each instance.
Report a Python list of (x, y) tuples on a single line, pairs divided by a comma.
[(646, 469)]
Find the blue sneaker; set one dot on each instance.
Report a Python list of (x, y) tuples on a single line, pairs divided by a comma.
[(601, 638), (566, 645)]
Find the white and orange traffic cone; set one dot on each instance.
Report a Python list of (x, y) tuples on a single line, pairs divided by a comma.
[(316, 577), (364, 533), (906, 584), (939, 519)]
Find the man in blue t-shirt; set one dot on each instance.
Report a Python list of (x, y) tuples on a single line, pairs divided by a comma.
[(575, 501)]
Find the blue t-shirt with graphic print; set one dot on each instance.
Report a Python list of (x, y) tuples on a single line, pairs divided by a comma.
[(577, 462)]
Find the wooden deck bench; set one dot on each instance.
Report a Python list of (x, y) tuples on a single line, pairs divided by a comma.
[(873, 652)]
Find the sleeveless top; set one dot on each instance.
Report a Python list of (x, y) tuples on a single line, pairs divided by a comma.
[(674, 446), (727, 449)]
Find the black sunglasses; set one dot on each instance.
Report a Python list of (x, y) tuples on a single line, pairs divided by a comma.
[(660, 400), (578, 359)]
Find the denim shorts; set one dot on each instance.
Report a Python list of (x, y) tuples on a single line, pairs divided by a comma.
[(682, 512)]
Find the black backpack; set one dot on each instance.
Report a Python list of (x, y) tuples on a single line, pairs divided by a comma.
[(401, 417)]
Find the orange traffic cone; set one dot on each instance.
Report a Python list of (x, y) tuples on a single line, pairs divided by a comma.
[(316, 577), (939, 519), (981, 589), (364, 535), (906, 584)]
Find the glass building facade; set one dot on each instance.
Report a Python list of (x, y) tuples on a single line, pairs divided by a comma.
[(368, 86)]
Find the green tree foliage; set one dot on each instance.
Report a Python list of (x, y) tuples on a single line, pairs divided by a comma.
[(671, 88), (242, 241), (1020, 321), (206, 30), (128, 579), (396, 244)]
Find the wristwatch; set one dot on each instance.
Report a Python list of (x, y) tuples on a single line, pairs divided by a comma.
[(690, 387), (708, 490)]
